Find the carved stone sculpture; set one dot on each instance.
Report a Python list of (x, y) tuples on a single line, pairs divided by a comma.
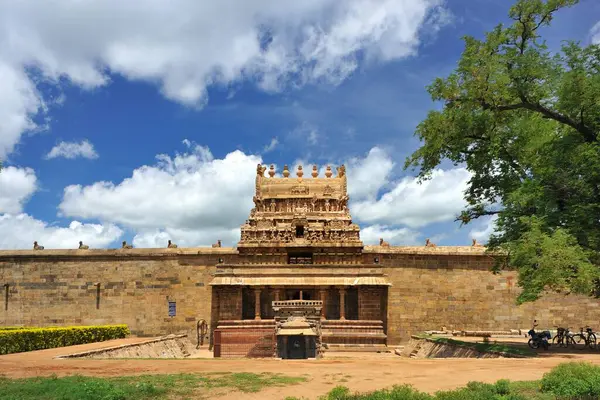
[(171, 245), (315, 171), (124, 245), (429, 243), (272, 171), (383, 243), (260, 170), (475, 244), (36, 246), (328, 172), (299, 172), (286, 171), (83, 246), (341, 171), (218, 244)]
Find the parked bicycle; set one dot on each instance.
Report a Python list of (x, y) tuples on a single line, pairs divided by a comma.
[(588, 338), (560, 339)]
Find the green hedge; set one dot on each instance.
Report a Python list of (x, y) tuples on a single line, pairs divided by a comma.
[(12, 328), (19, 340)]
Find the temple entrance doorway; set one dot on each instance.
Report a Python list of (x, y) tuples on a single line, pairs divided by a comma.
[(296, 347)]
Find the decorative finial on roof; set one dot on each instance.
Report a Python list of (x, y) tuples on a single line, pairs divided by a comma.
[(260, 170), (286, 171), (299, 172), (328, 172), (272, 171), (315, 171), (341, 171)]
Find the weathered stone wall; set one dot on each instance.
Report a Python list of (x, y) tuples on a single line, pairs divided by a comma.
[(457, 291), (135, 289), (430, 289), (369, 303)]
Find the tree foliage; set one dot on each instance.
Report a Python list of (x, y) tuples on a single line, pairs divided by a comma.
[(525, 121)]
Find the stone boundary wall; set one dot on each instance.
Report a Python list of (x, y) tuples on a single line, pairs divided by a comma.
[(431, 288), (97, 287)]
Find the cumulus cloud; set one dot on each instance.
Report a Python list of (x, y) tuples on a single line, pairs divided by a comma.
[(394, 236), (369, 174), (415, 204), (276, 44), (192, 196), (595, 33), (73, 150), (19, 102), (194, 199), (21, 230), (186, 237), (16, 187), (484, 228)]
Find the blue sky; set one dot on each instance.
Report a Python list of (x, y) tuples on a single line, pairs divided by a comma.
[(355, 96)]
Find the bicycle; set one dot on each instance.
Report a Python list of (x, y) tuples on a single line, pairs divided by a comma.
[(588, 337), (560, 338)]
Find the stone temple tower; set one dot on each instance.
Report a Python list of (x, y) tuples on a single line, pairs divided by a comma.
[(307, 218), (300, 278)]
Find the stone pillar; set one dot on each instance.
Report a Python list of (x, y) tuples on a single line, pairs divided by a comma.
[(342, 304), (257, 303), (323, 293), (276, 292)]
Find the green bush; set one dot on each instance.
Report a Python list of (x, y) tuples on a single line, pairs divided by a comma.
[(28, 339), (573, 380), (404, 392)]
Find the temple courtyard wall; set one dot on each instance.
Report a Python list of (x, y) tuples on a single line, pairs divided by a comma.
[(430, 289)]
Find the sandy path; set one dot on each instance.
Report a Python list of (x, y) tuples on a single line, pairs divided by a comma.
[(360, 372)]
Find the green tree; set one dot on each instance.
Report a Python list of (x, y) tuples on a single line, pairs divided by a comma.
[(525, 121)]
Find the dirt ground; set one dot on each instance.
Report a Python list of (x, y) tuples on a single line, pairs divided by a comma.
[(359, 371)]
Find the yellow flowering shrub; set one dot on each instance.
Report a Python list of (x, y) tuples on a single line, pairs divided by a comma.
[(28, 339)]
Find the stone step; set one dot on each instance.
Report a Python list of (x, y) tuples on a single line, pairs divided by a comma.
[(371, 348)]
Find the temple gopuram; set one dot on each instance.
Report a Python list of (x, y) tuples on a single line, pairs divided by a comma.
[(299, 283), (300, 250)]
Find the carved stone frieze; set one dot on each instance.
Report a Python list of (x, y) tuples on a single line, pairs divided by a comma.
[(300, 189)]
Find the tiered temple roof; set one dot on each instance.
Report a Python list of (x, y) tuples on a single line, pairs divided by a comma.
[(300, 211)]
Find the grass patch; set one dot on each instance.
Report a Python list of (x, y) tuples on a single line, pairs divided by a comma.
[(580, 381), (484, 347), (137, 387)]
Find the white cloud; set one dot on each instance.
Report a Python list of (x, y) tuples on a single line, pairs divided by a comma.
[(271, 146), (484, 227), (415, 205), (73, 150), (595, 33), (186, 237), (191, 196), (19, 101), (16, 187), (184, 46), (20, 231), (394, 236), (368, 175)]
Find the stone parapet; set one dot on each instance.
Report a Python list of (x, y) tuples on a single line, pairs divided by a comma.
[(423, 250)]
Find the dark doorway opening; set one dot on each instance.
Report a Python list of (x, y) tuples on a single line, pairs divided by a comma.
[(296, 349), (299, 231)]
